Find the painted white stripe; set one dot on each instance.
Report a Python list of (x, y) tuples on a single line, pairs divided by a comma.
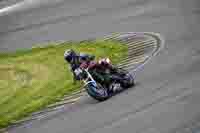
[(15, 7), (26, 5)]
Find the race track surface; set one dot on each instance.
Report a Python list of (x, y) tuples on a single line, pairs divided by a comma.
[(166, 97)]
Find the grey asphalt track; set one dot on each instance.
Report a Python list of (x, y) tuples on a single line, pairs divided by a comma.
[(167, 94)]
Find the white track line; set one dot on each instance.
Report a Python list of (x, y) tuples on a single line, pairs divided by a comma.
[(13, 8), (25, 5)]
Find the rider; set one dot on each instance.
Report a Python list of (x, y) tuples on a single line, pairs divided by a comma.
[(97, 69), (76, 60)]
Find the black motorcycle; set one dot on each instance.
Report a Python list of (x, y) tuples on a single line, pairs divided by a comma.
[(121, 81)]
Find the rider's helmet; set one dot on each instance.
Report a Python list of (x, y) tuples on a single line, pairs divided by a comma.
[(69, 55)]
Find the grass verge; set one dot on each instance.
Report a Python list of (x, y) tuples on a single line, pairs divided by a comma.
[(32, 79)]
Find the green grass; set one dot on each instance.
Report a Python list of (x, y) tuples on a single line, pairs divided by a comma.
[(32, 79)]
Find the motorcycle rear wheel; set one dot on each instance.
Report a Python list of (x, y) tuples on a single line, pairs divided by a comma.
[(128, 81)]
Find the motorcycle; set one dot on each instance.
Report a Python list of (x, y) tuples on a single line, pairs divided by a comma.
[(99, 91)]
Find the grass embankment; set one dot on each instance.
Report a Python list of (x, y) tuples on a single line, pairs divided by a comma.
[(32, 79)]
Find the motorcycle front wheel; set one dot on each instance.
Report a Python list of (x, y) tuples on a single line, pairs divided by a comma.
[(97, 91)]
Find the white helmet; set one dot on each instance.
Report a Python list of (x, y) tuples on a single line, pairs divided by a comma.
[(69, 55)]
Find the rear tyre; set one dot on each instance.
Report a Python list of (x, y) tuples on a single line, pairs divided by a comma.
[(128, 81)]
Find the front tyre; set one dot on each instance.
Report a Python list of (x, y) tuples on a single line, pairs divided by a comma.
[(97, 91)]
